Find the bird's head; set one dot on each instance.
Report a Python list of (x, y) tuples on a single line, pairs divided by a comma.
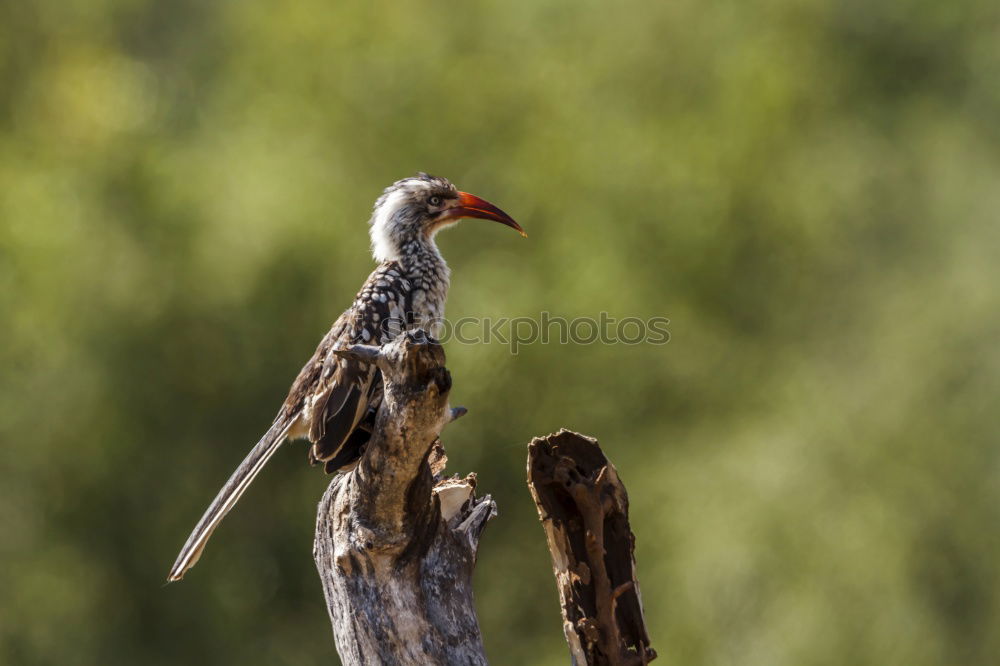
[(413, 209)]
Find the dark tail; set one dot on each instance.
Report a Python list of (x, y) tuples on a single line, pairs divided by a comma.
[(228, 496)]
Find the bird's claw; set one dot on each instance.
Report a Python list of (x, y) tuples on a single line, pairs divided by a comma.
[(366, 353)]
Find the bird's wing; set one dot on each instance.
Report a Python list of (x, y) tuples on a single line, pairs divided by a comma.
[(355, 444), (348, 384), (347, 401)]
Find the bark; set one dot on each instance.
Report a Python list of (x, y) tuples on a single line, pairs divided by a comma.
[(395, 542), (583, 507)]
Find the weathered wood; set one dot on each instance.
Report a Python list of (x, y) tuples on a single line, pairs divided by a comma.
[(396, 543), (583, 507)]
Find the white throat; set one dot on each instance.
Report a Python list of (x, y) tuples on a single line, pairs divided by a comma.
[(383, 248)]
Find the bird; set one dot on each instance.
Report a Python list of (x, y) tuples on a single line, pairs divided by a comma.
[(334, 398)]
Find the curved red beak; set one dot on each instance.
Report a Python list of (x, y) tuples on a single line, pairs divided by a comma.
[(469, 205)]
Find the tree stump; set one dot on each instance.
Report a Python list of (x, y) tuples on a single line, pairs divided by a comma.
[(395, 542), (583, 507)]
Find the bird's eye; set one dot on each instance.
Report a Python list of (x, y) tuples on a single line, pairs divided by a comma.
[(434, 201)]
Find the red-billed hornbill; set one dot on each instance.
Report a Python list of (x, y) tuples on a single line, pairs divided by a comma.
[(333, 400)]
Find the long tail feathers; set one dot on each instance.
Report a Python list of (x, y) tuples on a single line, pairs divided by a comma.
[(228, 496)]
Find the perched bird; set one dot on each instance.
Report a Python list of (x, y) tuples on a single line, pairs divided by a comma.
[(333, 400)]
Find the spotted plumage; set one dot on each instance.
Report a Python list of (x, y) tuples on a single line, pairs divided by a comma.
[(333, 400), (334, 395)]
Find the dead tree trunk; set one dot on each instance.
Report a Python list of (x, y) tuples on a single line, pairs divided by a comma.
[(583, 507), (395, 544)]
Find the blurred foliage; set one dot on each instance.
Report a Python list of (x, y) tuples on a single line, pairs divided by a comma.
[(807, 189)]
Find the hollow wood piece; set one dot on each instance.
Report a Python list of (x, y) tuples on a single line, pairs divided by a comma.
[(583, 507)]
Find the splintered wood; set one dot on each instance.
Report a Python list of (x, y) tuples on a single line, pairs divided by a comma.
[(583, 507)]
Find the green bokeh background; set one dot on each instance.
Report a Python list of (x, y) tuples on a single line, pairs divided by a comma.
[(807, 189)]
